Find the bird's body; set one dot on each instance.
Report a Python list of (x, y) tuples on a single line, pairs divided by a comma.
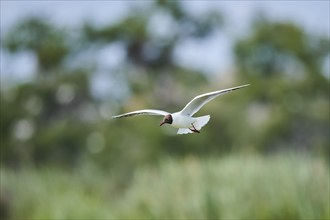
[(183, 119)]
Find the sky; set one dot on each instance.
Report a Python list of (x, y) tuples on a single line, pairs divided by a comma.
[(313, 16)]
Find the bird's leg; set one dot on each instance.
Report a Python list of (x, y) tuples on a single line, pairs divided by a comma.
[(194, 129)]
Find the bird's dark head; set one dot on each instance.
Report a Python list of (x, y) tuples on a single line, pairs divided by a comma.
[(167, 120)]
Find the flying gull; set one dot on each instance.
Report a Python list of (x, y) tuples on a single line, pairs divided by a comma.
[(183, 119)]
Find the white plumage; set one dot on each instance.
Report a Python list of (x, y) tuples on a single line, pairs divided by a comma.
[(183, 119)]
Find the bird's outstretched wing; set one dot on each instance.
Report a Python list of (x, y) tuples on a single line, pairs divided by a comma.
[(142, 112), (197, 103)]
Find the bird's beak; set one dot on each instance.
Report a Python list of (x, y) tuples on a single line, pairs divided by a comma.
[(163, 122)]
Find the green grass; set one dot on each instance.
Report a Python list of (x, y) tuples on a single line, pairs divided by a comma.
[(233, 187)]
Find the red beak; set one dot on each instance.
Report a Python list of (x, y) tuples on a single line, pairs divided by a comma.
[(163, 122)]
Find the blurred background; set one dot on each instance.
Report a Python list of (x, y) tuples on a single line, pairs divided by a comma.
[(68, 66)]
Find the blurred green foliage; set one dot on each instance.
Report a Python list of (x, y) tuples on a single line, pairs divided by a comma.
[(286, 186), (55, 120), (284, 64), (45, 40)]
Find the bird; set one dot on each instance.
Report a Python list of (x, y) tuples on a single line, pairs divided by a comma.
[(183, 119)]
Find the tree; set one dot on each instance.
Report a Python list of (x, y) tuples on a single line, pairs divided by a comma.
[(56, 119), (290, 91), (36, 34)]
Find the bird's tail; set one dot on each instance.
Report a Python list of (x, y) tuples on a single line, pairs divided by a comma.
[(184, 131), (201, 121)]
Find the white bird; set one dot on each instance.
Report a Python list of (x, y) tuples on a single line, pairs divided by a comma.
[(183, 119)]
